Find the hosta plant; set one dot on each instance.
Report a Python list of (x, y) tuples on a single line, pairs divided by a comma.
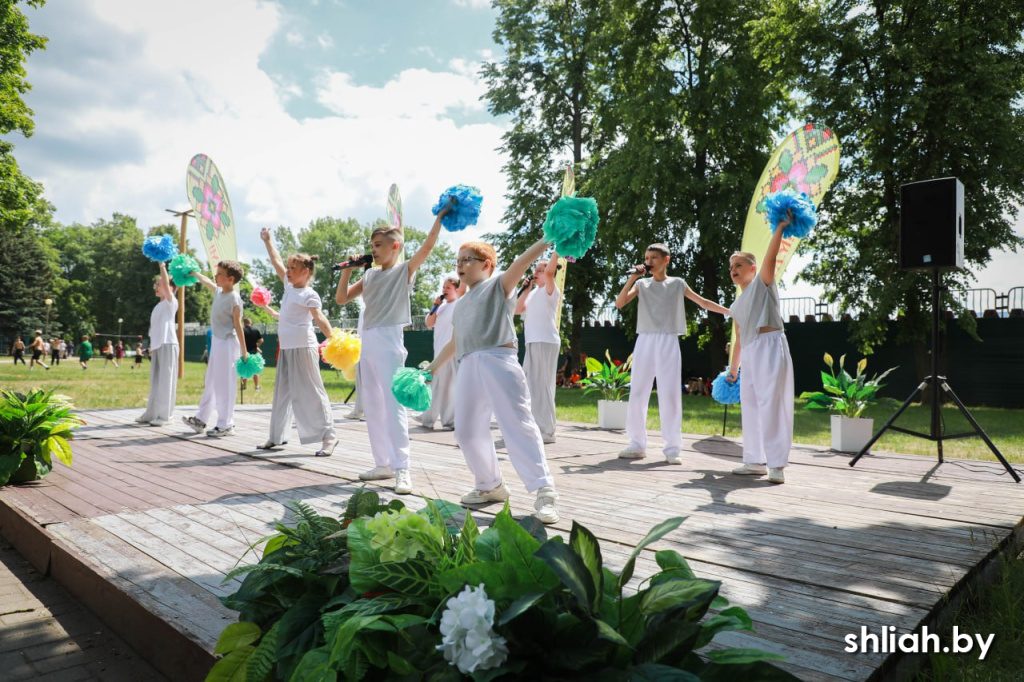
[(610, 379), (845, 394), (34, 430)]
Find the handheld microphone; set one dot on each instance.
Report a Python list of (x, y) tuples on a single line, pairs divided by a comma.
[(632, 271), (526, 285), (436, 305), (362, 261)]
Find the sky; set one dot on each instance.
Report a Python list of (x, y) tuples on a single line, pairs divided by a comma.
[(309, 108)]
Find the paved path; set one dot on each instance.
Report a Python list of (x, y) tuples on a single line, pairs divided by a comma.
[(46, 634)]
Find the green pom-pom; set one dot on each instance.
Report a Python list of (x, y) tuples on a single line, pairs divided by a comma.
[(410, 388), (251, 367), (181, 268), (571, 225)]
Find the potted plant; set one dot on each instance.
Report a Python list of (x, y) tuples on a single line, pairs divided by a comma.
[(34, 428), (429, 595), (611, 380), (847, 396)]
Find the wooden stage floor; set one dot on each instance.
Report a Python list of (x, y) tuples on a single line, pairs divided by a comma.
[(155, 517)]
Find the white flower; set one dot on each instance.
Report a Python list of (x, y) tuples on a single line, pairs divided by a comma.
[(469, 640)]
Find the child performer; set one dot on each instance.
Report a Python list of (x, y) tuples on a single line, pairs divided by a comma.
[(386, 293), (766, 385), (538, 308), (490, 380), (226, 344), (164, 351), (661, 320), (298, 383), (442, 403)]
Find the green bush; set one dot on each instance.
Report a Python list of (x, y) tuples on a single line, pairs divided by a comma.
[(34, 429)]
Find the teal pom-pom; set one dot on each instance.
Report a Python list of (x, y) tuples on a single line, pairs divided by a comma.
[(181, 269), (571, 225), (725, 391), (251, 367), (411, 389), (778, 204), (160, 249), (464, 211)]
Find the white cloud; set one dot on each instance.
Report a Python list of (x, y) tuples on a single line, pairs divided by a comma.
[(325, 41), (475, 4), (294, 37)]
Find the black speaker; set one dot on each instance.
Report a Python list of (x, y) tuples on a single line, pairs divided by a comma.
[(932, 225)]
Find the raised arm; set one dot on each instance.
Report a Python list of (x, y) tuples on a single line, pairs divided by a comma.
[(165, 283), (321, 321), (273, 313), (421, 254), (705, 303), (204, 280), (628, 292), (510, 278), (772, 254), (551, 271), (275, 257)]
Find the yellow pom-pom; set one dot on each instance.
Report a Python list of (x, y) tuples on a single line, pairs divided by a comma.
[(341, 351), (349, 373)]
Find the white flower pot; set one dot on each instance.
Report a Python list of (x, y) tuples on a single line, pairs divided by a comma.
[(851, 435), (611, 414)]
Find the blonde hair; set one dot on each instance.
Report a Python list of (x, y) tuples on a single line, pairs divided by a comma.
[(305, 260), (750, 258), (482, 250), (659, 248), (389, 232)]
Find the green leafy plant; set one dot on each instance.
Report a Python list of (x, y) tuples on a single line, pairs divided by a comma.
[(430, 598), (610, 379), (845, 394), (34, 429)]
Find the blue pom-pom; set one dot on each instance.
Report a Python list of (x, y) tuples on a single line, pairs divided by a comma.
[(411, 389), (181, 268), (251, 367), (804, 214), (465, 210), (571, 226), (725, 391), (160, 249)]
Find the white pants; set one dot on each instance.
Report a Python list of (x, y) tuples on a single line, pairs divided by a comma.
[(221, 380), (163, 383), (540, 366), (442, 402), (766, 392), (299, 388), (357, 404), (383, 352), (491, 380), (656, 356)]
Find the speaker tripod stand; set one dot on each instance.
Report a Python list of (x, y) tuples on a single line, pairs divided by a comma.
[(934, 382)]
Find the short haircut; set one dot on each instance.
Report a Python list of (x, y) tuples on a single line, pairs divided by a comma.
[(482, 250), (659, 248), (750, 258), (85, 337), (453, 278), (389, 232), (170, 283), (305, 260), (39, 332), (233, 269), (246, 320)]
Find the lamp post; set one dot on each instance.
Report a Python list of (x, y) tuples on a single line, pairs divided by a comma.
[(119, 321), (49, 306)]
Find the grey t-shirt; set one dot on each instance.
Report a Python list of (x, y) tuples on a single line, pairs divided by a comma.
[(483, 318), (386, 295), (757, 306), (222, 321), (661, 308)]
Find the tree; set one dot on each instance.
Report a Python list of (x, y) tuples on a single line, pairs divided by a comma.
[(915, 90)]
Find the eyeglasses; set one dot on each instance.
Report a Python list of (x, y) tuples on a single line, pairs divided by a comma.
[(465, 261)]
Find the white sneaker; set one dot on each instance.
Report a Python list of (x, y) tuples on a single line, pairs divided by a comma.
[(674, 458), (403, 482), (271, 445), (476, 496), (141, 420), (549, 440), (158, 422), (751, 470), (776, 475), (377, 474), (547, 498), (195, 424), (216, 432), (632, 453)]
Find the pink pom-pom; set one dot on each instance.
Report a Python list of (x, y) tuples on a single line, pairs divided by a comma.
[(260, 296), (323, 345)]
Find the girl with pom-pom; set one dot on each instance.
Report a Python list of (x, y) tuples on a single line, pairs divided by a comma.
[(298, 386), (386, 292), (490, 379), (766, 382), (163, 353), (538, 304), (443, 384), (660, 321)]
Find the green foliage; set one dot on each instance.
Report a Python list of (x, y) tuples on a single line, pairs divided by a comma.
[(34, 429), (609, 379), (560, 613), (845, 394), (914, 91)]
